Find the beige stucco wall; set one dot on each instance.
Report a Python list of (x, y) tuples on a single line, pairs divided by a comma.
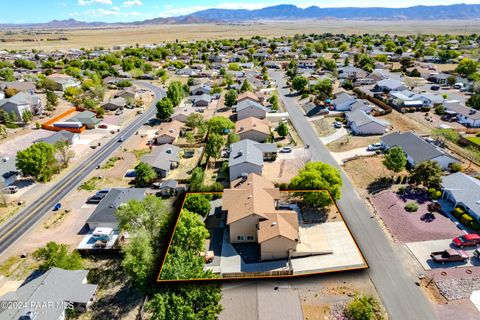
[(276, 248), (244, 227)]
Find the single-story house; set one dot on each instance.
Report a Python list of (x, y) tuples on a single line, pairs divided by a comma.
[(463, 191), (311, 109), (61, 289), (253, 129), (21, 102), (181, 114), (417, 149), (388, 85), (168, 187), (362, 123), (248, 96), (467, 116), (247, 108), (115, 104), (200, 89), (87, 118), (253, 217), (62, 135), (163, 159), (351, 72), (202, 101), (307, 64), (128, 94), (104, 215), (8, 171), (18, 85), (247, 156), (343, 101), (168, 132), (64, 81)]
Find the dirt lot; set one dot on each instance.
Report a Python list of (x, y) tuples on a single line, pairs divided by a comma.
[(108, 37), (404, 122), (324, 126), (286, 166), (351, 142)]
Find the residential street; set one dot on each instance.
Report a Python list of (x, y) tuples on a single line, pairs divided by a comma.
[(400, 296), (16, 227)]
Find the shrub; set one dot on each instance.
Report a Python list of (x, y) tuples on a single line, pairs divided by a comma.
[(401, 190), (458, 212), (455, 167), (466, 220), (437, 195), (411, 207), (474, 225)]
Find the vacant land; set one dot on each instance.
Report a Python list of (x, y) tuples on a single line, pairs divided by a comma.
[(108, 37), (324, 126), (351, 142)]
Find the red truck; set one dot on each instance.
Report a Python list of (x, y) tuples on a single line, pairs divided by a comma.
[(467, 240), (449, 255)]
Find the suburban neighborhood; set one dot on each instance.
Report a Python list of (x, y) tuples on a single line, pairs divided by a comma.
[(137, 179)]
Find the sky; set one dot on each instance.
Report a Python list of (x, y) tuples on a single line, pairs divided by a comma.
[(33, 11)]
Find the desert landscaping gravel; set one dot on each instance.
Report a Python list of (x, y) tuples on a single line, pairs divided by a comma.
[(456, 289)]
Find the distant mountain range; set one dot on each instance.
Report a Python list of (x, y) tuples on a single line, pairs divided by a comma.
[(286, 12)]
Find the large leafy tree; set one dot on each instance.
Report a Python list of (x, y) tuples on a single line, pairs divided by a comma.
[(318, 176), (145, 174), (175, 92), (139, 258), (427, 173), (231, 97), (58, 255), (246, 86), (164, 109), (214, 145), (467, 67), (37, 161), (196, 180), (219, 125), (198, 203), (282, 129), (323, 89), (64, 152), (395, 159), (299, 83)]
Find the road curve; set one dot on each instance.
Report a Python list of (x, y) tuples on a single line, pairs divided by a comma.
[(400, 296), (16, 227)]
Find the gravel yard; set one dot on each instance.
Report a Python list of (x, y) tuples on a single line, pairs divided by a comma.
[(10, 147), (456, 289), (408, 227)]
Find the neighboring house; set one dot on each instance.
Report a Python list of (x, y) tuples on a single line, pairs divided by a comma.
[(63, 81), (343, 101), (87, 118), (247, 156), (252, 217), (307, 64), (351, 73), (8, 171), (163, 159), (18, 85), (104, 214), (128, 94), (463, 191), (168, 132), (181, 114), (247, 108), (47, 295), (62, 135), (253, 129), (362, 123), (202, 101), (169, 188), (248, 96), (21, 102), (417, 149), (467, 116), (388, 85), (200, 90), (311, 109), (115, 104), (410, 99)]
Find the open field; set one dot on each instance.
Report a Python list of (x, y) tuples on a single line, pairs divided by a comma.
[(108, 37)]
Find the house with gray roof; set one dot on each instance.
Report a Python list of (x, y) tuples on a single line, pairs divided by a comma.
[(200, 89), (248, 108), (115, 104), (61, 136), (202, 101), (343, 101), (362, 123), (463, 191), (87, 118), (47, 295), (21, 102), (467, 116), (64, 81), (388, 85), (8, 171), (417, 149), (247, 156), (163, 159), (104, 215)]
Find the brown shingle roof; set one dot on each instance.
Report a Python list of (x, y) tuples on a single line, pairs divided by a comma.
[(171, 129), (252, 123), (248, 95), (279, 223)]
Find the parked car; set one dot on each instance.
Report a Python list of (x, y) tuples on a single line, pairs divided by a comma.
[(286, 150), (57, 207), (435, 88), (449, 255), (10, 189), (374, 147), (95, 199), (337, 124), (131, 174), (103, 191), (118, 112), (103, 126), (468, 240)]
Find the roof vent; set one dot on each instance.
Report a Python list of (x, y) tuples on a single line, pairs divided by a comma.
[(250, 196), (273, 224)]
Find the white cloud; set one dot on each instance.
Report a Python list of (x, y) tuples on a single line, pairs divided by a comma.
[(132, 3), (90, 2)]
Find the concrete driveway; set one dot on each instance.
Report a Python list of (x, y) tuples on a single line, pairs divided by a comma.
[(340, 157), (422, 250), (341, 132)]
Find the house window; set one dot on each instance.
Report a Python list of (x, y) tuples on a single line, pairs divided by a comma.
[(250, 238), (240, 238)]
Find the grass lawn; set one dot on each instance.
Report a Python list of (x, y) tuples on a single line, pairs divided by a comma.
[(90, 184), (474, 140), (350, 142), (139, 153)]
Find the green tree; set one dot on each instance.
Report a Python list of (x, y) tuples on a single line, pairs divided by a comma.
[(395, 159), (52, 100), (427, 173), (27, 116), (323, 89), (440, 109), (246, 86), (37, 161), (467, 67), (232, 138), (55, 255), (190, 233), (196, 180), (299, 83), (219, 125), (165, 108), (139, 259), (214, 145), (198, 203), (282, 129), (195, 121), (7, 74), (145, 174), (474, 101), (363, 308), (175, 92), (318, 176), (231, 98), (64, 152)]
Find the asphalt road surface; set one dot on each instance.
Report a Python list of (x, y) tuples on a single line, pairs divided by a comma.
[(21, 223), (399, 294)]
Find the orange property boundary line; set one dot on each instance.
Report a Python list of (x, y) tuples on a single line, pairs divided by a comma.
[(259, 277), (49, 124)]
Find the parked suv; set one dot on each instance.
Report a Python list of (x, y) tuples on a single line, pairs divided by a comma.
[(468, 240)]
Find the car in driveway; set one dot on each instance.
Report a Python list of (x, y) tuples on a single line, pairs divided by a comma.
[(435, 88), (449, 255), (374, 147), (103, 126), (131, 174), (467, 240), (95, 199), (286, 150), (337, 124)]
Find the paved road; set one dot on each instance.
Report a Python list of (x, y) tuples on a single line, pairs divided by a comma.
[(401, 297), (16, 227)]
